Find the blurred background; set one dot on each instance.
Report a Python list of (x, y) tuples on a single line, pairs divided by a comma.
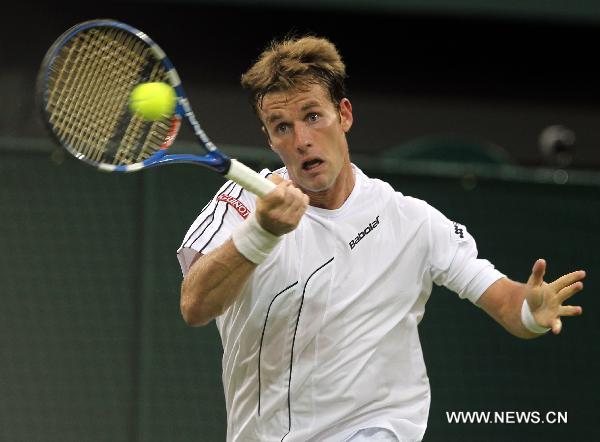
[(487, 109)]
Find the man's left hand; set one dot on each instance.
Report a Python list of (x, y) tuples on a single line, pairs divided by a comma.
[(546, 299)]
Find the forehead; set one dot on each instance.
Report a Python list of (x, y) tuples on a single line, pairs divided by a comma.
[(275, 103)]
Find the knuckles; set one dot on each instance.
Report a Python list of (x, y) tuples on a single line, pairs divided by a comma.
[(285, 194), (280, 211)]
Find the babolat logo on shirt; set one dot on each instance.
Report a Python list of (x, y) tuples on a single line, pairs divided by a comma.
[(364, 233), (458, 232)]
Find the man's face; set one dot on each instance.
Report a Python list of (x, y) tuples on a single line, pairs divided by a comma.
[(309, 134)]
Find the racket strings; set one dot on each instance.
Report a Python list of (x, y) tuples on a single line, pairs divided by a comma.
[(92, 138), (78, 120), (67, 93), (88, 93), (154, 137), (119, 70)]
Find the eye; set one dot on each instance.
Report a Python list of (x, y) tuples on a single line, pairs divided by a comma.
[(313, 117), (282, 128)]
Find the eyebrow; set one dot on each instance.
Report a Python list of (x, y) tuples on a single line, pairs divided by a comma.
[(310, 104), (274, 117)]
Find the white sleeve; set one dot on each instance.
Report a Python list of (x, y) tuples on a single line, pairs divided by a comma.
[(231, 206), (453, 259)]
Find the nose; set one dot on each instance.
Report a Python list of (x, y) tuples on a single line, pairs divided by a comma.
[(302, 138)]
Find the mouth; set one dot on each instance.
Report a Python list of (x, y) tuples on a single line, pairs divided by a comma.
[(311, 164)]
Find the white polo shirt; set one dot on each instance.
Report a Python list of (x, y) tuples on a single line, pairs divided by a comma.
[(323, 340)]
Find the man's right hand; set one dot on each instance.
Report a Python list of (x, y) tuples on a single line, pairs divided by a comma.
[(280, 211)]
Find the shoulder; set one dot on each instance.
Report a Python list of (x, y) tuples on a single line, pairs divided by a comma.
[(411, 206), (282, 172), (235, 195), (407, 213)]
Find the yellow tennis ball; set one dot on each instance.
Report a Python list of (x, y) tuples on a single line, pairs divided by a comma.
[(153, 101)]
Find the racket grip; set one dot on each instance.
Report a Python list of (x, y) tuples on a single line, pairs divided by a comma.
[(249, 179)]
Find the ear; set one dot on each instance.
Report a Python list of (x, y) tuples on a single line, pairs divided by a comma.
[(346, 118), (264, 131)]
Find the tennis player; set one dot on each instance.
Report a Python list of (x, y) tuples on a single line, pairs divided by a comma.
[(318, 288)]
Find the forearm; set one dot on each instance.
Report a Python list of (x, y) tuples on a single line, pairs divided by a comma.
[(213, 283), (216, 279), (503, 301)]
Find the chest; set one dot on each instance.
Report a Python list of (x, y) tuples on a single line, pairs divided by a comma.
[(342, 267)]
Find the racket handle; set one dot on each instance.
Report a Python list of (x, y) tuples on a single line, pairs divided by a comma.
[(249, 179)]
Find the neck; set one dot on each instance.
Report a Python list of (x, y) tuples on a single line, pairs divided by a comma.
[(336, 195)]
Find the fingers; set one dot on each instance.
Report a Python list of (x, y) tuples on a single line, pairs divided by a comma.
[(570, 279), (295, 202), (280, 210), (275, 178), (570, 310), (565, 310), (537, 273), (556, 326), (298, 203), (568, 291), (551, 296), (283, 195)]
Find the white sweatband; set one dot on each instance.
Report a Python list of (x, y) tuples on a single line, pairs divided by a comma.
[(252, 241), (529, 321)]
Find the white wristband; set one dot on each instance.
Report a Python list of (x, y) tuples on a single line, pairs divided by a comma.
[(252, 241), (529, 321)]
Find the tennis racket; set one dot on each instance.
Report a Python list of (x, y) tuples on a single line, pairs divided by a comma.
[(84, 85)]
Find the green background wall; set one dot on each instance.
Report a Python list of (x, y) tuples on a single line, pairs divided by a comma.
[(93, 348)]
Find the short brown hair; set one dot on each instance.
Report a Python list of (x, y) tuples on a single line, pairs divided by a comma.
[(296, 63)]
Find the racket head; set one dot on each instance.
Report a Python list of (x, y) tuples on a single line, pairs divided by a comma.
[(84, 86)]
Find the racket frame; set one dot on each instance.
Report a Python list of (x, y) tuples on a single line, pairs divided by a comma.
[(214, 159)]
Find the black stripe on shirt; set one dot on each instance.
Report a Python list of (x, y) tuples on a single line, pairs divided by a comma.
[(195, 235), (262, 336), (292, 352), (224, 214), (201, 249)]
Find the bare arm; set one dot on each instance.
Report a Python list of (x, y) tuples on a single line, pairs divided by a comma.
[(213, 283), (215, 280), (503, 300)]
